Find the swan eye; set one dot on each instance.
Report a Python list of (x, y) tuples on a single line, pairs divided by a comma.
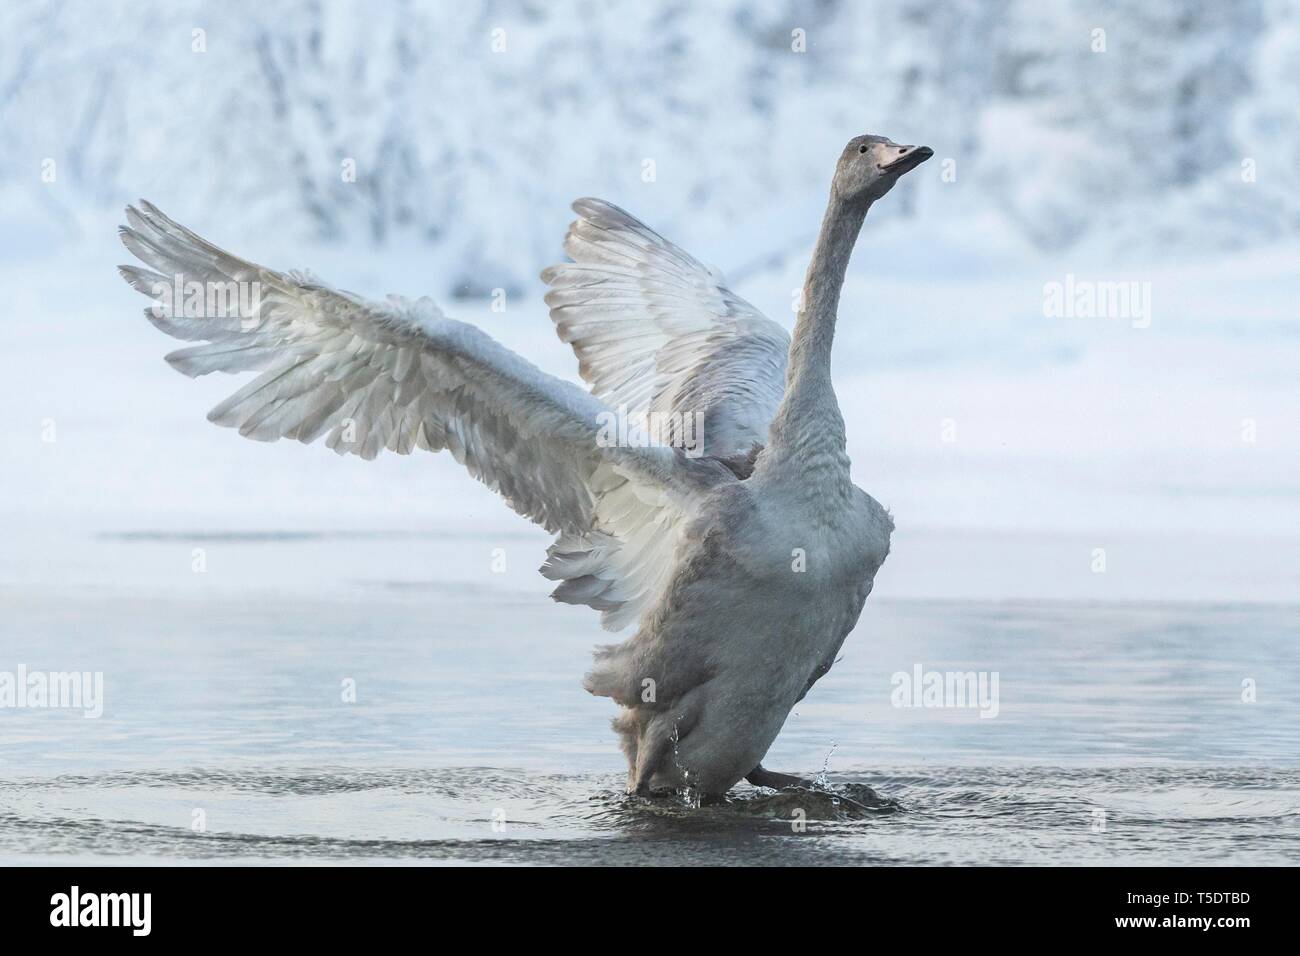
[(862, 148)]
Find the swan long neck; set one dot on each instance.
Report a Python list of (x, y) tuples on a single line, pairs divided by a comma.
[(808, 427)]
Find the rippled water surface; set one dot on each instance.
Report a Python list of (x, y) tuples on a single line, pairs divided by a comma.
[(1121, 736), (942, 815)]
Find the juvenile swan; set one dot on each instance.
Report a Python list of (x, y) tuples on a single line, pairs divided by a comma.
[(743, 555)]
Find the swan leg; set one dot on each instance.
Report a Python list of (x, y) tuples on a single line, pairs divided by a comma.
[(760, 777)]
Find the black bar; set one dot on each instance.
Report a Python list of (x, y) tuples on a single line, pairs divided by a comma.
[(330, 905)]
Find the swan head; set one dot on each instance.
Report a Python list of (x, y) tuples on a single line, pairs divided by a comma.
[(870, 165)]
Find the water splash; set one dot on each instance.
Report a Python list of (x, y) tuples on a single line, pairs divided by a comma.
[(822, 780), (688, 794)]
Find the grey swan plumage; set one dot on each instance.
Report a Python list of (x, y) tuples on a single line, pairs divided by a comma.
[(743, 565)]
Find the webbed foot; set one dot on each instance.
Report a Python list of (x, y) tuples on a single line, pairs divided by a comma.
[(761, 777)]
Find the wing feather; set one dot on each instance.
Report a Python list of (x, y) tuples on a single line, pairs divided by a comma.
[(393, 375), (399, 375), (657, 332)]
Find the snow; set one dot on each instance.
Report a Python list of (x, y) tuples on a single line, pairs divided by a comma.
[(989, 429), (468, 125)]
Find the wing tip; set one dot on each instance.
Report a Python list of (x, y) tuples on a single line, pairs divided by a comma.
[(145, 281), (603, 212), (183, 363)]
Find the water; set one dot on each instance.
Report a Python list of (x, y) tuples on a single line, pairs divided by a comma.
[(1121, 734), (945, 816)]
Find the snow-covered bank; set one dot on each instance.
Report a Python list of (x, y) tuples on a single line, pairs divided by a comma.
[(1008, 444), (1168, 128)]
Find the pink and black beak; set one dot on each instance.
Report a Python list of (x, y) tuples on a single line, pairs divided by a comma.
[(906, 158)]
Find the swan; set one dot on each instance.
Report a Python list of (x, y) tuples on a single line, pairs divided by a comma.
[(743, 564)]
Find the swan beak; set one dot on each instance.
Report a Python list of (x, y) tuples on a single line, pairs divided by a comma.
[(909, 159)]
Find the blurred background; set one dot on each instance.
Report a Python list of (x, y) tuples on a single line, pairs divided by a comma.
[(1103, 510), (434, 149)]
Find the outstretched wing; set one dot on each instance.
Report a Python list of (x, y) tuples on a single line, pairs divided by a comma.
[(397, 375), (656, 331)]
